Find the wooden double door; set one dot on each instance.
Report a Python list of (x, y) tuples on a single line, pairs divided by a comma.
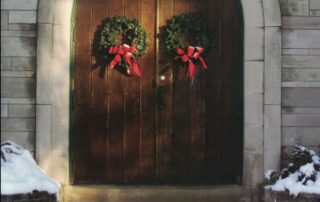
[(158, 129)]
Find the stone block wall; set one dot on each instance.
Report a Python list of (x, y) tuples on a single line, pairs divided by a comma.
[(18, 71), (300, 75)]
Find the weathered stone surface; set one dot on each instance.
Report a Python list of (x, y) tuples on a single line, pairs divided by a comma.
[(59, 142), (25, 139), (60, 41), (301, 22), (314, 51), (156, 194), (253, 77), (300, 74), (300, 119), (301, 97), (61, 95), (294, 7), (23, 63), (22, 16), (307, 136), (293, 51), (253, 108), (253, 13), (314, 4), (17, 87), (272, 72), (253, 166), (300, 39), (300, 61), (19, 4), (17, 74), (44, 64), (272, 136), (18, 101), (17, 124), (45, 11), (21, 26), (301, 84), (18, 33), (254, 44), (43, 141), (253, 138), (22, 110), (4, 110), (18, 46), (314, 12), (271, 11), (4, 20), (62, 12), (270, 196), (301, 110), (5, 63)]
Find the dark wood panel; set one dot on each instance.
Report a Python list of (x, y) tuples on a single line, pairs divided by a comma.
[(164, 103), (213, 95), (82, 93), (181, 113), (230, 94), (116, 112), (98, 105), (132, 111), (159, 128), (197, 113), (147, 90)]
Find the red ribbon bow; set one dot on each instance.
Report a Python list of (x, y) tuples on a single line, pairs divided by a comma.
[(126, 52), (193, 53)]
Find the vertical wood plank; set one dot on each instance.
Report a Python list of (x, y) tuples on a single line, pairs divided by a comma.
[(197, 112), (230, 94), (164, 102), (213, 96), (115, 112), (82, 96), (98, 105), (131, 89), (181, 113), (148, 67)]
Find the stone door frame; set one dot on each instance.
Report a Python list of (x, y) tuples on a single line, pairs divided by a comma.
[(262, 88)]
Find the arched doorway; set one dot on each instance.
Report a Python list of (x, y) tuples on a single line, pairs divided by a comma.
[(152, 130)]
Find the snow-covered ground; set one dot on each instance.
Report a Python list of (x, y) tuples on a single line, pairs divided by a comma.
[(20, 174), (297, 179)]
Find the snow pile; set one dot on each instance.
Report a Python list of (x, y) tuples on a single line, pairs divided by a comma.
[(20, 174), (301, 176)]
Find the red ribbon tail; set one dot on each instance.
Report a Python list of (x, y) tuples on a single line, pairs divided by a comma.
[(191, 69), (136, 70), (204, 65), (133, 67), (115, 61)]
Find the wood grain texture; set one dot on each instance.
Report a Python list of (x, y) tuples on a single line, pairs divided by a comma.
[(148, 95), (116, 120), (131, 159), (82, 93), (197, 112), (164, 101), (158, 129), (181, 113), (98, 104)]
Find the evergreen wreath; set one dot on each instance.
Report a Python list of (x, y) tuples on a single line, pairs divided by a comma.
[(120, 41), (185, 37)]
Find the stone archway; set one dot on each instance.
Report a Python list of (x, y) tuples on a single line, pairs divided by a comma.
[(262, 93)]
